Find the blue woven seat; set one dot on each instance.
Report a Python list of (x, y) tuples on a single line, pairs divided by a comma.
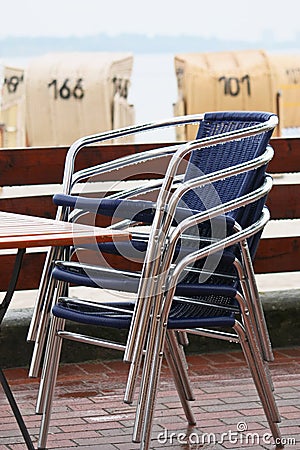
[(193, 315)]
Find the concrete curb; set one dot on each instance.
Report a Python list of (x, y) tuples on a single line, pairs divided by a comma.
[(282, 310)]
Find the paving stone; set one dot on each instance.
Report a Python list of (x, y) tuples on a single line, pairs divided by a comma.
[(89, 413)]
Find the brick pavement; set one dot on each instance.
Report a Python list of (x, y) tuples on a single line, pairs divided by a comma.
[(88, 412)]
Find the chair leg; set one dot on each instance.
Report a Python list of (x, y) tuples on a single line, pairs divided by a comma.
[(141, 336), (179, 382), (255, 364), (152, 363), (155, 356), (183, 338), (42, 293), (40, 336), (259, 327), (135, 345), (260, 363), (48, 381), (55, 290), (50, 351), (146, 405), (150, 379), (131, 382), (256, 305), (180, 364), (262, 330)]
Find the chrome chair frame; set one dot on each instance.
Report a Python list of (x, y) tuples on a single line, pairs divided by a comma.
[(40, 318), (162, 222), (244, 335), (57, 333), (156, 275), (151, 308)]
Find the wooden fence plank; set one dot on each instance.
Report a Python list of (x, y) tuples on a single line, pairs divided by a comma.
[(287, 155), (283, 201), (27, 165), (278, 255), (30, 273), (33, 206), (45, 165)]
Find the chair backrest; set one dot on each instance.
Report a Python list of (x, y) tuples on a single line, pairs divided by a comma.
[(221, 156)]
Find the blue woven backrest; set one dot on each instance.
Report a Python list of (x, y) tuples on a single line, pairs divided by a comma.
[(225, 155)]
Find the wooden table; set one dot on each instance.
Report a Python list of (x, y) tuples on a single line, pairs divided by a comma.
[(20, 232)]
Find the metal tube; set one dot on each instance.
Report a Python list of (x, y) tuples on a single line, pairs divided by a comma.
[(87, 140), (90, 340), (259, 365), (261, 383), (258, 310)]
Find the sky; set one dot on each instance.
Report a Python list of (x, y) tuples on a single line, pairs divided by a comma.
[(226, 19)]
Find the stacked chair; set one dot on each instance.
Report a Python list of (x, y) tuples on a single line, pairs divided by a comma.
[(196, 242)]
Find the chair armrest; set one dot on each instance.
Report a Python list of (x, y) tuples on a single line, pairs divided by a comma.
[(136, 210)]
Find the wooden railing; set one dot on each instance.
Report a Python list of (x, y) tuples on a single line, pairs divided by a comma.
[(29, 176)]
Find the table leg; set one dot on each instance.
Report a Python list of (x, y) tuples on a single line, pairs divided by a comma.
[(16, 411), (3, 308), (12, 283)]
